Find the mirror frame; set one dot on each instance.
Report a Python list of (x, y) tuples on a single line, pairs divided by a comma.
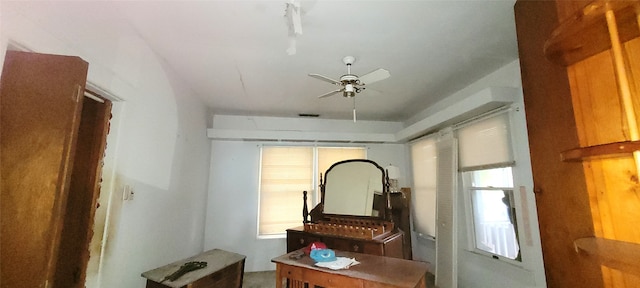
[(385, 214)]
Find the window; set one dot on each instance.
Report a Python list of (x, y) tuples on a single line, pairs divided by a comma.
[(486, 162), (494, 224), (287, 171)]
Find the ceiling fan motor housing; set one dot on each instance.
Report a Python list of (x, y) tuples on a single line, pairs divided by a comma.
[(350, 79)]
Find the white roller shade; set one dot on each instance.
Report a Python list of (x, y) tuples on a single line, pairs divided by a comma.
[(423, 160), (285, 173), (485, 144)]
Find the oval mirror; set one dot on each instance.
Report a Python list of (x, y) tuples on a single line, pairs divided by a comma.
[(354, 187)]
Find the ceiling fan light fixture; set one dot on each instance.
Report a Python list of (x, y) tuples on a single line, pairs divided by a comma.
[(349, 90)]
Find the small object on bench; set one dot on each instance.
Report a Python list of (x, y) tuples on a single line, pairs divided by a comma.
[(297, 256), (186, 267)]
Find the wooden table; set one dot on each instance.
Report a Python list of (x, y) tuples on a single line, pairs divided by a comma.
[(224, 269), (372, 272)]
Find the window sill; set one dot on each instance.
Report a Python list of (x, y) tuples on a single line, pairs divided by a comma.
[(497, 258), (273, 236)]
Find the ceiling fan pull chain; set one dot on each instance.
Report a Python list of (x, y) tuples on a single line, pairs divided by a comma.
[(354, 109)]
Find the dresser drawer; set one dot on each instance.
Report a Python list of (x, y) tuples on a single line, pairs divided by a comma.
[(344, 244), (390, 246), (297, 240), (358, 246)]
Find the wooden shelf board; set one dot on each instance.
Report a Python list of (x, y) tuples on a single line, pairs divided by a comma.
[(614, 254), (603, 150), (586, 33)]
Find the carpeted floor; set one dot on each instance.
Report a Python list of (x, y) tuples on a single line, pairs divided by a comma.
[(263, 279)]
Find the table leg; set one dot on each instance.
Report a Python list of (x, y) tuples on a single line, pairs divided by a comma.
[(278, 276), (422, 283)]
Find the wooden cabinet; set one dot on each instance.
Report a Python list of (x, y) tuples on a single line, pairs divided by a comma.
[(51, 150), (578, 60), (390, 245)]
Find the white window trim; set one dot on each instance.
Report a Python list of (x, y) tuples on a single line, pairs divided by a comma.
[(470, 226), (468, 206)]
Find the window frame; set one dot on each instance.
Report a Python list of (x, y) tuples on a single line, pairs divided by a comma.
[(466, 189), (470, 209)]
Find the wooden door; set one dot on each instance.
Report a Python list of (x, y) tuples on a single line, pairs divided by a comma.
[(562, 200), (41, 99), (83, 194)]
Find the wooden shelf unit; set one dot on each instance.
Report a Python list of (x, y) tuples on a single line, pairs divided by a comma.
[(600, 26), (604, 150), (578, 60), (616, 254), (586, 33)]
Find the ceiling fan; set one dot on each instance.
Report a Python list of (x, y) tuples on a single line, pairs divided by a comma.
[(351, 84)]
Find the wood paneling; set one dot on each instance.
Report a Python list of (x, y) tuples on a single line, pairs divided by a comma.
[(612, 182)]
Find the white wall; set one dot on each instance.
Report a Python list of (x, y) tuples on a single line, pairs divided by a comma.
[(476, 270), (157, 143)]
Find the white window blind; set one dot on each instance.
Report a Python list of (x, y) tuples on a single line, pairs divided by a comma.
[(285, 173), (423, 161), (485, 144)]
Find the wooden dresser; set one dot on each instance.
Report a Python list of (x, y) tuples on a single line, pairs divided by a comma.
[(357, 213), (390, 245)]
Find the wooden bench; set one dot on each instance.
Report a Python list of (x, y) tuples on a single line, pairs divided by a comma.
[(224, 269)]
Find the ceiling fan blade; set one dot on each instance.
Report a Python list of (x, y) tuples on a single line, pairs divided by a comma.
[(374, 76), (325, 78), (331, 93)]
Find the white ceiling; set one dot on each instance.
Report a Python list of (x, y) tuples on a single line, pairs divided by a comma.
[(234, 53)]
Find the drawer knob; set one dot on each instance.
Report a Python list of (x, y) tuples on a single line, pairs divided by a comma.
[(356, 248), (301, 240)]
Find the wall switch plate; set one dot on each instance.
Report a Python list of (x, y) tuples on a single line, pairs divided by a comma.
[(127, 192)]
